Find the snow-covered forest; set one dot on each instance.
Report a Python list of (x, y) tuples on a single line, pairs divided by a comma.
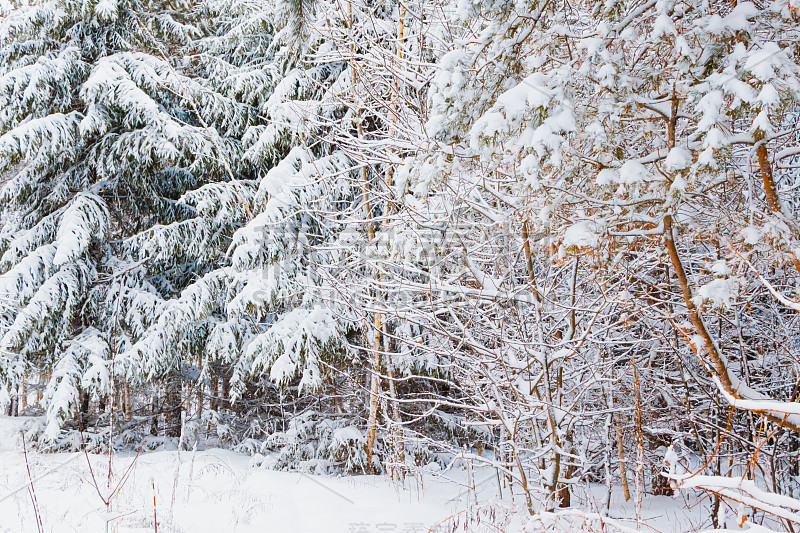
[(556, 242)]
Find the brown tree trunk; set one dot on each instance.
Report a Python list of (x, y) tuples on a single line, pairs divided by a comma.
[(526, 246), (13, 409), (372, 421), (200, 400), (213, 392), (524, 482), (564, 495), (126, 405), (23, 399), (694, 315), (770, 190), (623, 474), (709, 346), (226, 392)]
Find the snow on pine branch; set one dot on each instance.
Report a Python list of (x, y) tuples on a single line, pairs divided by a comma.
[(20, 283), (182, 320), (41, 88), (82, 365), (50, 312), (84, 222), (56, 133), (295, 345)]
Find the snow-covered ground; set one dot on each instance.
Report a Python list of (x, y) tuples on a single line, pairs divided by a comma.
[(220, 491)]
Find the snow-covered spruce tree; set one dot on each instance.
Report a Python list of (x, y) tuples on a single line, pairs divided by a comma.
[(117, 162), (300, 327), (269, 342)]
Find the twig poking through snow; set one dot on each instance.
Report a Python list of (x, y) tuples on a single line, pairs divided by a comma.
[(31, 489), (155, 516)]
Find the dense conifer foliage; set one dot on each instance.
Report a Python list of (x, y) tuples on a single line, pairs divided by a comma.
[(560, 238)]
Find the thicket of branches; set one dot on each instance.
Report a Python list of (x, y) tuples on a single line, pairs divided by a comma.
[(556, 238)]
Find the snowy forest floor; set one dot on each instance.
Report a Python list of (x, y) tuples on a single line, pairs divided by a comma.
[(220, 491)]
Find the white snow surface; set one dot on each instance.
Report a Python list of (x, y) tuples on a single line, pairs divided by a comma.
[(221, 491), (206, 491)]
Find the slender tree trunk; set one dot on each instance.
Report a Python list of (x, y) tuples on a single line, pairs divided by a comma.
[(126, 393), (154, 414), (200, 399), (526, 246), (564, 495), (83, 412), (372, 418), (709, 346), (398, 448), (13, 405), (694, 315), (524, 482), (173, 408), (43, 379), (199, 391), (118, 404), (226, 392), (623, 474), (771, 189), (374, 390), (673, 118), (213, 392)]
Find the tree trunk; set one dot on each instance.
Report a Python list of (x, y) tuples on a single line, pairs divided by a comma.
[(226, 392), (526, 246), (154, 414), (213, 392), (398, 441), (43, 379), (23, 398), (564, 495), (83, 412), (173, 408), (623, 475), (372, 422), (524, 482), (13, 406), (771, 189), (200, 400), (372, 419), (126, 392), (709, 346)]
